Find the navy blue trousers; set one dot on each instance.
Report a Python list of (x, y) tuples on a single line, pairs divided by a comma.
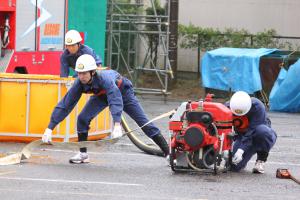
[(131, 106), (262, 139)]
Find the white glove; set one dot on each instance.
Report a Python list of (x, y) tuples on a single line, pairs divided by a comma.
[(238, 156), (47, 137), (117, 132)]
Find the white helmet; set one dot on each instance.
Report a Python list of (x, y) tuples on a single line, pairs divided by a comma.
[(240, 103), (72, 37), (85, 63)]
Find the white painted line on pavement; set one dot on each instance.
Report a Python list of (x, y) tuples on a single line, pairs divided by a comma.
[(284, 153), (141, 154), (124, 144), (69, 181), (9, 172), (279, 163), (98, 153), (287, 139), (121, 196)]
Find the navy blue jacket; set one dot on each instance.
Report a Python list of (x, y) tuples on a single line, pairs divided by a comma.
[(69, 60), (102, 80), (257, 115)]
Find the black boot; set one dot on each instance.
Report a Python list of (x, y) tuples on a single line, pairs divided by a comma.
[(162, 143), (81, 138), (262, 155)]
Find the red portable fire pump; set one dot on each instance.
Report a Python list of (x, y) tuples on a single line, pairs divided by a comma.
[(201, 136)]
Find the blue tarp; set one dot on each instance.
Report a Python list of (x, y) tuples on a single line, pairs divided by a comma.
[(285, 94), (233, 69)]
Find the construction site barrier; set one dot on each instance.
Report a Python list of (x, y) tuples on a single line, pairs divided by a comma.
[(26, 104)]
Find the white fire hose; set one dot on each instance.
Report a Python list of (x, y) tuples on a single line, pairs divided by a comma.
[(26, 152)]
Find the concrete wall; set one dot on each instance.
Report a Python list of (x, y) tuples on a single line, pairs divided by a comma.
[(252, 15)]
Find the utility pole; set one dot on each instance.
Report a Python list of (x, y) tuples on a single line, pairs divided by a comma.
[(173, 38)]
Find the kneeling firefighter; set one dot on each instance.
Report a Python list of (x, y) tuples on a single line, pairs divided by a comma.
[(257, 138), (109, 88)]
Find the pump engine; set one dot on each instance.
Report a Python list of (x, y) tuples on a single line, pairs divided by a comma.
[(201, 136)]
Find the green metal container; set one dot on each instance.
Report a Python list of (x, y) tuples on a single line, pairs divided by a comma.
[(89, 17)]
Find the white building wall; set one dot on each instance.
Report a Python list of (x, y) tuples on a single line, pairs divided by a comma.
[(252, 15)]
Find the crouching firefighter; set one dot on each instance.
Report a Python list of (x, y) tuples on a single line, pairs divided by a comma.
[(109, 89), (256, 138)]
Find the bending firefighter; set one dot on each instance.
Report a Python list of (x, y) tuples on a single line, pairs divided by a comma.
[(257, 138), (74, 49), (109, 88)]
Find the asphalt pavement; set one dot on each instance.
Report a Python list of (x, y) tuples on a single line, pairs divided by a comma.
[(121, 171)]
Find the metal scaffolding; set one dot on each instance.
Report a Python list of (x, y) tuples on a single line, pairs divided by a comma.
[(138, 43)]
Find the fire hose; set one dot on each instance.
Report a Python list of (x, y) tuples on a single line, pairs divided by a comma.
[(26, 152)]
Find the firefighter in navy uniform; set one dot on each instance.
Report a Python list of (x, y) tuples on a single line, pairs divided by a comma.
[(72, 52), (258, 138), (109, 89)]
